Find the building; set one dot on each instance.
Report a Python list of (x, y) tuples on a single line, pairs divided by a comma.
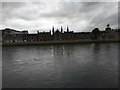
[(12, 36)]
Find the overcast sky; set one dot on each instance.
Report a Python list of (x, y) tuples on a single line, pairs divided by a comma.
[(79, 16)]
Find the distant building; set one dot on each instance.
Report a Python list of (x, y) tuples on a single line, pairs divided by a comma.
[(110, 33), (44, 36), (11, 35), (0, 36), (25, 32), (108, 28), (11, 31), (95, 33)]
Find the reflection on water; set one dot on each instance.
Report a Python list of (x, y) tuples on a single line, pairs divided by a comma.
[(68, 66)]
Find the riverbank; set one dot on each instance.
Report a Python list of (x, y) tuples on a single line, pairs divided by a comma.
[(58, 42)]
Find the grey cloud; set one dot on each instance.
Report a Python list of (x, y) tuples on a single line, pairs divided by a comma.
[(12, 5), (9, 9), (95, 13), (0, 14)]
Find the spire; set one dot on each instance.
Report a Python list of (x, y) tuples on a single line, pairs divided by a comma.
[(61, 29), (37, 32), (53, 30), (67, 29), (50, 31)]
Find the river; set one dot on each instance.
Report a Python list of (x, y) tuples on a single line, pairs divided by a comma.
[(61, 66)]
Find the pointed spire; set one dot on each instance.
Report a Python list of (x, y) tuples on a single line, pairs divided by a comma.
[(61, 29), (37, 32), (50, 31), (67, 29), (53, 30)]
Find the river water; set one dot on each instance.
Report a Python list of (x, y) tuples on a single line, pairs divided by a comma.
[(60, 66)]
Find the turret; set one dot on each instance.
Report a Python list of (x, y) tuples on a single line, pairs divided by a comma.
[(108, 28)]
